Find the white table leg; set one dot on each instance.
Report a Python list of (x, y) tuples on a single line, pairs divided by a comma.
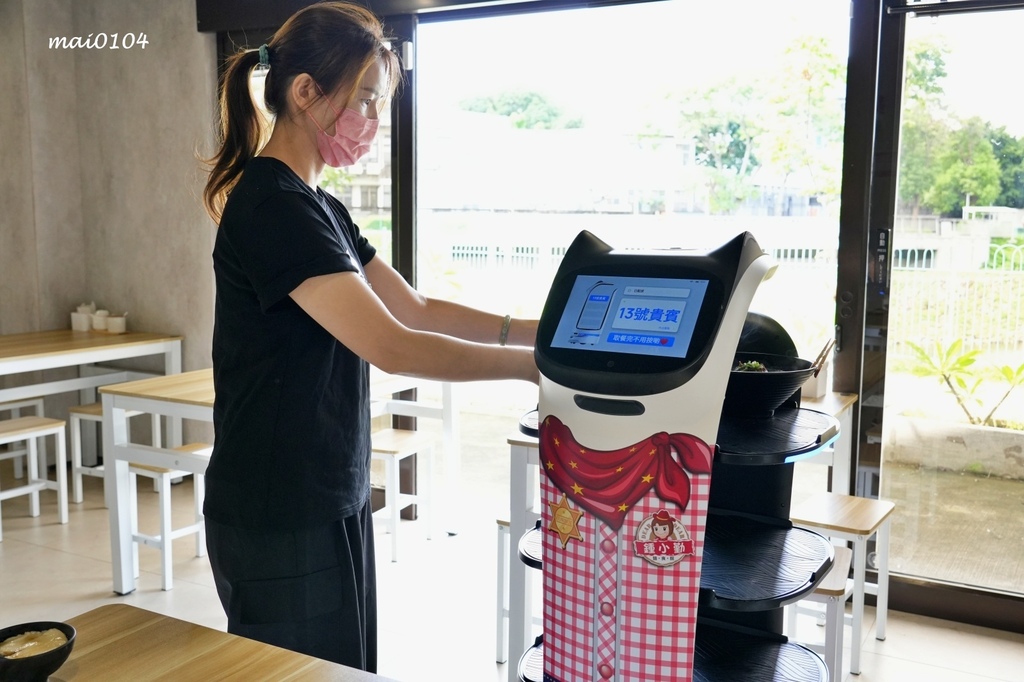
[(452, 457), (117, 484), (859, 572), (62, 476), (882, 597), (33, 475), (842, 453), (172, 365), (501, 624), (834, 612), (520, 588)]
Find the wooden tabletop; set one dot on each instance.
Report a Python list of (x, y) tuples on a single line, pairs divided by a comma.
[(843, 513), (831, 403), (59, 341), (192, 388), (196, 387), (122, 642)]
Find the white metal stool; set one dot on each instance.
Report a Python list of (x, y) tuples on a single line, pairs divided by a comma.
[(15, 407), (833, 592), (391, 446), (856, 520), (28, 430), (163, 540), (93, 412)]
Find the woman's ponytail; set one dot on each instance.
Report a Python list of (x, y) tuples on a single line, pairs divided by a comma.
[(241, 131), (335, 43)]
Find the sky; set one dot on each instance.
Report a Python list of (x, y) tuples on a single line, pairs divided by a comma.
[(984, 66), (687, 42), (674, 42)]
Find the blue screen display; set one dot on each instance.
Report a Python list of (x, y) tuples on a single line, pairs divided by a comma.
[(635, 315)]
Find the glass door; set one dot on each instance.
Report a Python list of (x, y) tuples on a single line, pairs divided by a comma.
[(951, 445), (650, 125)]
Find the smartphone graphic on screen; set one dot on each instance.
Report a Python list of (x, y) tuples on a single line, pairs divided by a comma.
[(595, 309)]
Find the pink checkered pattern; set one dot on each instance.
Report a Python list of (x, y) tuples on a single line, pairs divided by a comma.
[(608, 558), (659, 605), (568, 598), (648, 637)]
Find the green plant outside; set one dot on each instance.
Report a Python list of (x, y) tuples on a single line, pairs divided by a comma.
[(954, 368)]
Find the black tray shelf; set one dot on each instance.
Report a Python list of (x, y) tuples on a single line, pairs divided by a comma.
[(531, 547), (749, 564), (787, 436), (759, 563), (727, 653), (724, 653)]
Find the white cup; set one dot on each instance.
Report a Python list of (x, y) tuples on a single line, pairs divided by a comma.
[(99, 319), (81, 322), (818, 386), (116, 324)]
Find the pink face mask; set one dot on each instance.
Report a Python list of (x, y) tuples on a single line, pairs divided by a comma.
[(353, 135)]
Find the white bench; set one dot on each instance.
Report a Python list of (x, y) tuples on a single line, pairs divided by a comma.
[(29, 430)]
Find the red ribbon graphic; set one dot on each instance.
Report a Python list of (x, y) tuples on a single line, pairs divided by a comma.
[(609, 483)]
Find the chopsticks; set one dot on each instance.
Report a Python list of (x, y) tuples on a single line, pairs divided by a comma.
[(819, 361)]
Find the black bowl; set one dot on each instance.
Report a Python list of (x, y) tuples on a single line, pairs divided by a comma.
[(761, 393), (39, 667)]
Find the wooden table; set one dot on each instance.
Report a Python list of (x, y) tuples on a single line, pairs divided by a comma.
[(36, 351), (122, 642), (64, 348), (187, 395)]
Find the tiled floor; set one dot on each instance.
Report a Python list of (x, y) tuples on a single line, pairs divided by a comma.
[(437, 603)]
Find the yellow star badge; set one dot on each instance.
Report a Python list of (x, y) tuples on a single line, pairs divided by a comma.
[(565, 521)]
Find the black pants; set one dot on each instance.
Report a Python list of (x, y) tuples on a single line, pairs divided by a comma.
[(313, 591)]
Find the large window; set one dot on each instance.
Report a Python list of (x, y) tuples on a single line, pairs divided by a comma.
[(667, 124), (952, 437)]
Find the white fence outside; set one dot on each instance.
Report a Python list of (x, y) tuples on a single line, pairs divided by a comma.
[(946, 282)]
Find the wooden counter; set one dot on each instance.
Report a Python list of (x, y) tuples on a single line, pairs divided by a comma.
[(122, 642)]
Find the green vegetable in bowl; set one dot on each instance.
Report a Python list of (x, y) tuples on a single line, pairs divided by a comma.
[(750, 366)]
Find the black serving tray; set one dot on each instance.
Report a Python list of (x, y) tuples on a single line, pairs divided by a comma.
[(787, 436), (531, 547), (750, 563), (755, 563), (528, 425), (723, 653), (531, 664)]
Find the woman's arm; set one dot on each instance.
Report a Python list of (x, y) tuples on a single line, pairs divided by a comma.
[(444, 317), (345, 306)]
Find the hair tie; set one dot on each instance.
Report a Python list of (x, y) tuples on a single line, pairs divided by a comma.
[(264, 56)]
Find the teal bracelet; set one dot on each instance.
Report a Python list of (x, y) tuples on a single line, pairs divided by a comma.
[(503, 336)]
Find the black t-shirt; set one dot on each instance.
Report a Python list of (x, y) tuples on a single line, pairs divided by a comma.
[(291, 417)]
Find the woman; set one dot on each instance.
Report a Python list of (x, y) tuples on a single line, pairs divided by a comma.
[(303, 305)]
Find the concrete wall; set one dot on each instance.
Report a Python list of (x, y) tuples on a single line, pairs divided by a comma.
[(99, 181)]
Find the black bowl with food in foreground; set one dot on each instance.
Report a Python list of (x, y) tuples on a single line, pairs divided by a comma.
[(34, 658), (760, 383)]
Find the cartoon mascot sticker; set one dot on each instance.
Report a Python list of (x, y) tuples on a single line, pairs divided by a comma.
[(662, 540)]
